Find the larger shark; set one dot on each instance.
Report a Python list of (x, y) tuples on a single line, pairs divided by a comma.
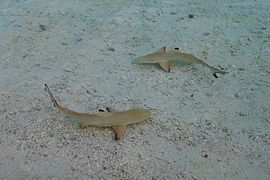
[(117, 120)]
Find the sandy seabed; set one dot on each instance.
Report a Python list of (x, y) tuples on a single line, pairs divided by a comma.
[(202, 127)]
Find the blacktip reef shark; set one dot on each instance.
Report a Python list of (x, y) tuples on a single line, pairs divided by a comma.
[(166, 58), (117, 120)]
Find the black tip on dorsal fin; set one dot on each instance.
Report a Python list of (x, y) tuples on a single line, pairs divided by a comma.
[(176, 49), (163, 49), (110, 109)]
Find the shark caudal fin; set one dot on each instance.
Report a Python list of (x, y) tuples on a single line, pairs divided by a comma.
[(55, 104), (215, 71)]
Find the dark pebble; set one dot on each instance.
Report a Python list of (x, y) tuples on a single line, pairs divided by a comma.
[(191, 16), (111, 49), (173, 13), (78, 39), (43, 27)]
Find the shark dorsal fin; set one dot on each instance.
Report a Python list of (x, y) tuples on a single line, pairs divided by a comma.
[(162, 50), (110, 109), (119, 131)]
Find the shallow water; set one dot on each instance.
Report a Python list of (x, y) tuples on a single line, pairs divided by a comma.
[(201, 127)]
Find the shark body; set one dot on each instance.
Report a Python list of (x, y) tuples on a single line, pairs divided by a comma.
[(117, 120), (166, 58)]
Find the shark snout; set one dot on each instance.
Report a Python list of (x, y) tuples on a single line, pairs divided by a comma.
[(135, 61), (145, 114)]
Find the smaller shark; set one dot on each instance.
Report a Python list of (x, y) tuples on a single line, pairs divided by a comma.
[(166, 58), (115, 119)]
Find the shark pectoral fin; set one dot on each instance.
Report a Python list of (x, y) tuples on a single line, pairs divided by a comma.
[(110, 109), (119, 131), (83, 126), (166, 66)]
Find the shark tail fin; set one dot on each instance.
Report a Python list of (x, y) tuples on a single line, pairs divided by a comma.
[(215, 71), (55, 104)]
